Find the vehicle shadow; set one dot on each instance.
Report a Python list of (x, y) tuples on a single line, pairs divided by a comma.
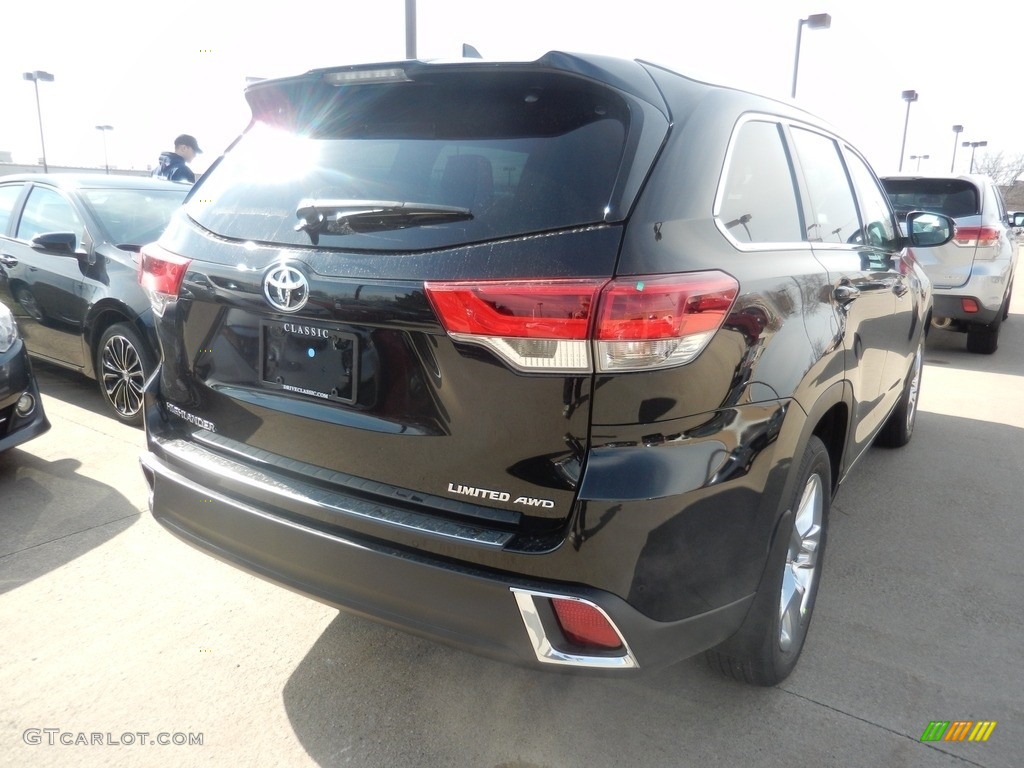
[(372, 696), (69, 386), (51, 515)]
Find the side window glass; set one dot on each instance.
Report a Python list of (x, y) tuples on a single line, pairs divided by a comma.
[(758, 202), (879, 229), (8, 197), (47, 211), (834, 213)]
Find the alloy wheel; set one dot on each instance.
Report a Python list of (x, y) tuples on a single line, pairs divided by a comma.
[(913, 390), (801, 567), (122, 375)]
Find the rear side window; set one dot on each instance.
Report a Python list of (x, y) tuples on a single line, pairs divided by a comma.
[(521, 154), (953, 197), (758, 200), (834, 211)]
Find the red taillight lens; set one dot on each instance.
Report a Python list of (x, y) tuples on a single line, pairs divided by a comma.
[(661, 321), (969, 237), (534, 309), (160, 274), (583, 624), (636, 323), (534, 325)]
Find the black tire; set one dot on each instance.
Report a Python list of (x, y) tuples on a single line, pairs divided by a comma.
[(123, 363), (899, 427), (766, 648), (984, 339)]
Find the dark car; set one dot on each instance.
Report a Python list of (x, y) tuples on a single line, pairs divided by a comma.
[(972, 275), (559, 361), (69, 269), (21, 409)]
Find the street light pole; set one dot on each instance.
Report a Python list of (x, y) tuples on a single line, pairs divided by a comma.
[(35, 77), (814, 21), (974, 145), (103, 129), (957, 130), (410, 29), (919, 158), (909, 97)]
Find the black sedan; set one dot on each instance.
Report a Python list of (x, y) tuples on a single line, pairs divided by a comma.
[(21, 409), (68, 269)]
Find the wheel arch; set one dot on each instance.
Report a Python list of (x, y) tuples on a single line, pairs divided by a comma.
[(105, 314)]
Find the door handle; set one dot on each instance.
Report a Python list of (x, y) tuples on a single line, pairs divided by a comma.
[(7, 260), (844, 294)]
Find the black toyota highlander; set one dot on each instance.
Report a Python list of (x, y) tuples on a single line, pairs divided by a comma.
[(561, 361)]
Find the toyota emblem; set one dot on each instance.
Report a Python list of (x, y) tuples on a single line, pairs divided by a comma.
[(286, 288)]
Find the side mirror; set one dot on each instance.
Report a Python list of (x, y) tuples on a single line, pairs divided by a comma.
[(1016, 219), (63, 242), (927, 230)]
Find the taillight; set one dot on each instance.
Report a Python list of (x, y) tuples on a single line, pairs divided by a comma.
[(160, 274), (585, 624), (532, 324), (551, 326), (659, 322), (970, 237)]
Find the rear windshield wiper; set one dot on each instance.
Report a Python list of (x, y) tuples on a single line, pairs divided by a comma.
[(346, 217)]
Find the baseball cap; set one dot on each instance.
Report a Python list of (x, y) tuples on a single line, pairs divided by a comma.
[(188, 141)]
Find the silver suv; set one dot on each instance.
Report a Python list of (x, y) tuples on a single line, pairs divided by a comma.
[(972, 275)]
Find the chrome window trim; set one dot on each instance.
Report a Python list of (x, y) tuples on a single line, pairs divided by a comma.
[(548, 654)]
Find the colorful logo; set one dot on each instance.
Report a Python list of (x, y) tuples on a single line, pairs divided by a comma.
[(958, 730)]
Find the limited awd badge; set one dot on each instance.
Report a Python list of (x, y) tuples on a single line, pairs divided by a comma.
[(286, 288)]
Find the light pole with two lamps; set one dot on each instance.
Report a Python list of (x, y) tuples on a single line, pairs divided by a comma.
[(919, 158), (814, 21), (909, 97), (974, 145), (36, 77)]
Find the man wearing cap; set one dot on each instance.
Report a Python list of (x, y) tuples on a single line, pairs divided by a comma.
[(172, 165)]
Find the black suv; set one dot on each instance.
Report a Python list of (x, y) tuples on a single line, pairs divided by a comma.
[(559, 361)]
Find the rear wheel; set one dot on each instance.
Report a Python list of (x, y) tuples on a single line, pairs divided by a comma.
[(900, 427), (767, 647), (984, 339), (123, 363)]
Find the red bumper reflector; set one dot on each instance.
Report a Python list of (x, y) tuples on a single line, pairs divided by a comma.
[(969, 305), (583, 624)]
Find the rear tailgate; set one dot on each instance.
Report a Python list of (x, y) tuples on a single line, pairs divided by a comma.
[(305, 336)]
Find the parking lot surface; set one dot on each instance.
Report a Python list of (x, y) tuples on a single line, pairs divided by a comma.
[(120, 645)]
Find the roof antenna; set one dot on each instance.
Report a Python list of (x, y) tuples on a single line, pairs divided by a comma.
[(469, 52)]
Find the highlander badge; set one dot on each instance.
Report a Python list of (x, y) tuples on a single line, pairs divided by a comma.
[(286, 288)]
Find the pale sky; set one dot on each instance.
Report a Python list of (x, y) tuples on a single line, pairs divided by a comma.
[(153, 71)]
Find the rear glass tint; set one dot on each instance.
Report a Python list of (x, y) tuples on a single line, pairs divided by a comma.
[(953, 197), (522, 154)]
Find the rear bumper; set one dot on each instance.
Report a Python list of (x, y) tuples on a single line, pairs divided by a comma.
[(952, 307), (987, 287), (493, 613)]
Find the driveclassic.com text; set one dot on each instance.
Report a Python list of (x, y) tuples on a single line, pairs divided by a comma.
[(54, 736)]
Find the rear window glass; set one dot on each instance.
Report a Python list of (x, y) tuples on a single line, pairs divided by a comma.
[(520, 154), (953, 197), (133, 216)]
